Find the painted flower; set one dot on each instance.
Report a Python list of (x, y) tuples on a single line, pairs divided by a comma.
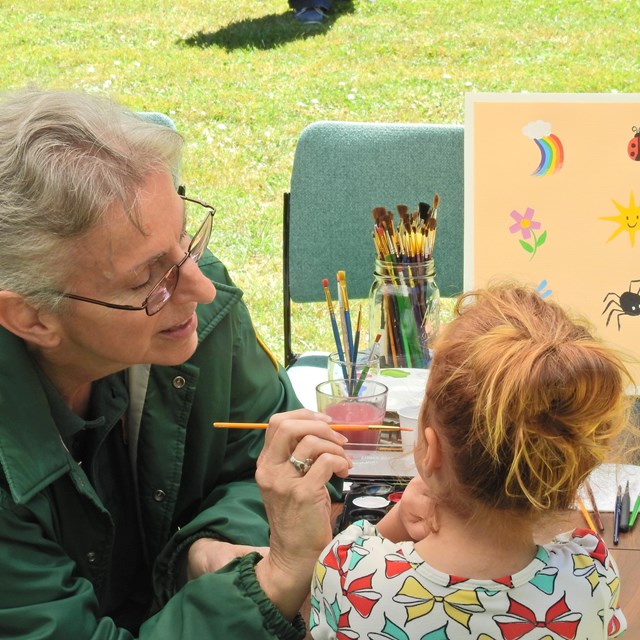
[(524, 223), (527, 226)]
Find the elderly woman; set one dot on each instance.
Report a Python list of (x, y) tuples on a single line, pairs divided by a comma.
[(123, 512)]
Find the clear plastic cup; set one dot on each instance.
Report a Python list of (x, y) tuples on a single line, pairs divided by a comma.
[(337, 399)]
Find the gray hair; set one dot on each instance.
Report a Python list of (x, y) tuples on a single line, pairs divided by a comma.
[(65, 159)]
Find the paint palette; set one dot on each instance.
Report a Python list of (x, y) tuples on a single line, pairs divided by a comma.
[(369, 499)]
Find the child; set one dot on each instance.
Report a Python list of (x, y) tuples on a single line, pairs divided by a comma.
[(521, 404)]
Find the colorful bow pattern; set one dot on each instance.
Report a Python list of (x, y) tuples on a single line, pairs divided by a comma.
[(520, 620), (374, 590), (361, 595), (419, 601)]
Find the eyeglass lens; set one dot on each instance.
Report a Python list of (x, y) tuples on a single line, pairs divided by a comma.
[(161, 293)]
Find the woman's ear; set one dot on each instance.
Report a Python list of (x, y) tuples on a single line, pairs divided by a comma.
[(433, 456), (24, 320)]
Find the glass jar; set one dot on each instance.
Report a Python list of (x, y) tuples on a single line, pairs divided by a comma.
[(404, 308)]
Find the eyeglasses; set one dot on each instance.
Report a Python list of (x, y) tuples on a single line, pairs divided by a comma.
[(165, 287)]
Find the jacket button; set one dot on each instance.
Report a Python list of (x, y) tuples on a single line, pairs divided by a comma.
[(92, 556), (179, 382), (159, 495)]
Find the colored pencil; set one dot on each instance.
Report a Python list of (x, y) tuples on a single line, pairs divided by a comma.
[(594, 506), (586, 515), (335, 427)]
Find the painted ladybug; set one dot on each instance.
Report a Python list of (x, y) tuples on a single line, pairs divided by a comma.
[(633, 148)]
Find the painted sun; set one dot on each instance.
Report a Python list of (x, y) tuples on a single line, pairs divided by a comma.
[(628, 219)]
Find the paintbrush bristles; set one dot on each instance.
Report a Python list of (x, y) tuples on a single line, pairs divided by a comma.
[(342, 282), (327, 294), (414, 237)]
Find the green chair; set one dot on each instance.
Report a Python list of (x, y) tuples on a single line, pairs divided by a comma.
[(341, 171)]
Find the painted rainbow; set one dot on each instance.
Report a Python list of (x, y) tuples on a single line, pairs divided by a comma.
[(551, 155)]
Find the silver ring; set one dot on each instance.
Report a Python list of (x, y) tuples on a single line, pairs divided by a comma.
[(302, 466)]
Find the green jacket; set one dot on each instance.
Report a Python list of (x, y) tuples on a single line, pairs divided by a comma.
[(192, 480)]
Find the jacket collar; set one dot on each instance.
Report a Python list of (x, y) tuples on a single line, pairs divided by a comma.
[(32, 454)]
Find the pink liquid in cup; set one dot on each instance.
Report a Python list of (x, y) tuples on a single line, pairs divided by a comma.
[(358, 413)]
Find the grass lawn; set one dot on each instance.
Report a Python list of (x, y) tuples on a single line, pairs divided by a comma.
[(242, 79)]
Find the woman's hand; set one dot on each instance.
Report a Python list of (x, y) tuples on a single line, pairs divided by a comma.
[(414, 517), (297, 503)]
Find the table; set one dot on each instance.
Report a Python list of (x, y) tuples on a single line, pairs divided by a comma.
[(626, 555)]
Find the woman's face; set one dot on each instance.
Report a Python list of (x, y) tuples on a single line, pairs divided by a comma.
[(117, 263)]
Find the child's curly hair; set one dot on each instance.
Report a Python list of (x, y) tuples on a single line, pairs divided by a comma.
[(526, 398)]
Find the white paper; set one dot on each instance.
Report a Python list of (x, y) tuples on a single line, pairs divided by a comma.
[(604, 481)]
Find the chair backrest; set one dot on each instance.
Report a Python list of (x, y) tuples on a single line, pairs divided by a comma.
[(341, 171)]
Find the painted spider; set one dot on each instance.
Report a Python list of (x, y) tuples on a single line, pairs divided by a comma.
[(625, 304)]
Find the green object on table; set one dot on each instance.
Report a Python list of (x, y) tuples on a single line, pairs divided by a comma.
[(394, 373), (634, 514)]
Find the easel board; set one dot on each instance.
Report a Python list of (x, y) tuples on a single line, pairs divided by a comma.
[(552, 199)]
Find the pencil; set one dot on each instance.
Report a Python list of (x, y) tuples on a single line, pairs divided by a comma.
[(616, 516), (594, 506), (586, 515), (335, 427)]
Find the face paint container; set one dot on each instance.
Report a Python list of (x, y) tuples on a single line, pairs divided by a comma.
[(378, 489), (370, 502), (370, 515)]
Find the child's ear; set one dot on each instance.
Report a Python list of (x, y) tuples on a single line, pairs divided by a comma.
[(433, 457), (24, 320)]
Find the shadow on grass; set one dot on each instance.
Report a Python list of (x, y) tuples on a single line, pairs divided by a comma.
[(266, 32)]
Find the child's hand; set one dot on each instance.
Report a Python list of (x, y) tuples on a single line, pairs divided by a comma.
[(413, 518), (417, 510)]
